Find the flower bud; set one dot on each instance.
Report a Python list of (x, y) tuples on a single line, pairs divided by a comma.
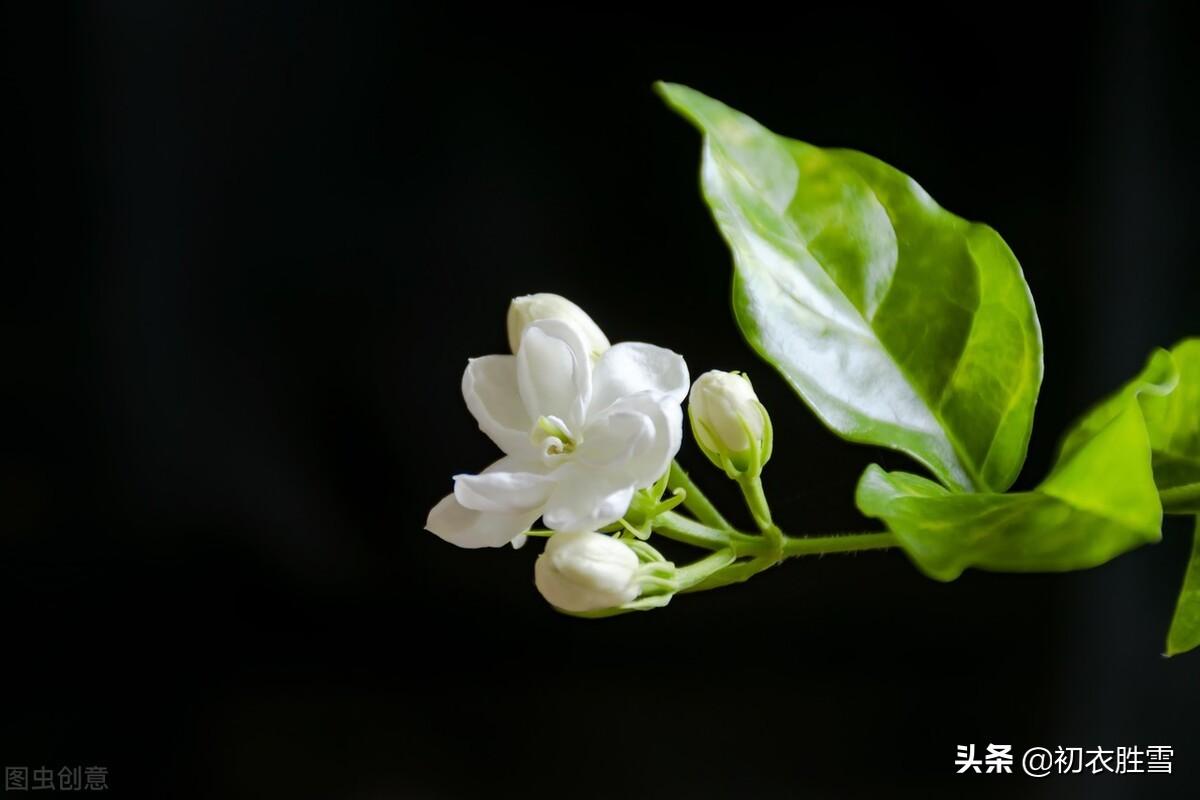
[(730, 424), (533, 307), (586, 571)]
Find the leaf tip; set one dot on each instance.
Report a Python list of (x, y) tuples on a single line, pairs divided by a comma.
[(684, 101), (667, 90)]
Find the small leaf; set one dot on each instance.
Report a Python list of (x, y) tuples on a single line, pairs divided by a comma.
[(1174, 424), (1098, 501), (899, 323), (1185, 627)]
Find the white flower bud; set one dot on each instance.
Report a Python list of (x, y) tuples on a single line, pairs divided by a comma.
[(730, 424), (533, 307), (586, 571)]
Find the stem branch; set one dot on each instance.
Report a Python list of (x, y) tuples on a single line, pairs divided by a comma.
[(695, 501), (688, 531)]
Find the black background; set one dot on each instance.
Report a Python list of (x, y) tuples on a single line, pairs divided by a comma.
[(253, 251)]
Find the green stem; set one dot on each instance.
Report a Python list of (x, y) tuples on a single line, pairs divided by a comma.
[(672, 525), (772, 551), (688, 531), (695, 501), (756, 500), (837, 543), (757, 553)]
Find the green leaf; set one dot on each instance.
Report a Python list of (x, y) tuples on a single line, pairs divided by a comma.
[(1098, 501), (899, 323), (1185, 627), (1174, 424)]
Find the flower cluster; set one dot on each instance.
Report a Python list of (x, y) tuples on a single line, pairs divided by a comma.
[(589, 432)]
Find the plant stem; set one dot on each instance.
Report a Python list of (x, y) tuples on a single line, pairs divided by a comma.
[(756, 500), (695, 501), (756, 553), (688, 531), (837, 543)]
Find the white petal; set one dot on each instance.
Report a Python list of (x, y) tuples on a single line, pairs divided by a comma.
[(645, 451), (561, 593), (614, 438), (554, 373), (532, 307), (586, 499), (489, 386), (586, 571), (466, 528), (501, 490), (728, 412), (632, 367), (669, 444)]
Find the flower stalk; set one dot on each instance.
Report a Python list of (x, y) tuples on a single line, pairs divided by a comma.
[(694, 500), (688, 531)]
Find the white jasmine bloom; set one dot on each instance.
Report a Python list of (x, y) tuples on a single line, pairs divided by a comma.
[(586, 571), (729, 422), (533, 307), (579, 438)]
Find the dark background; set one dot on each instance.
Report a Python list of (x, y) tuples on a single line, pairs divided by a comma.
[(251, 254)]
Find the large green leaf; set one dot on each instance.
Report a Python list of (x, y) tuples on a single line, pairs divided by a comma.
[(899, 323), (1174, 423), (1185, 627), (1098, 501)]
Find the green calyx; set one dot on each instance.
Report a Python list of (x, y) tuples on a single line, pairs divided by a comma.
[(647, 505)]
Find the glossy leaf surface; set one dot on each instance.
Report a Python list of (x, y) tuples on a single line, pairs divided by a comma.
[(899, 323), (1098, 501)]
